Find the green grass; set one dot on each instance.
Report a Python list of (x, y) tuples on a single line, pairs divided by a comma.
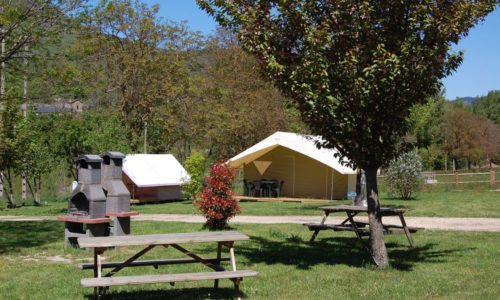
[(469, 203), (444, 265), (431, 204)]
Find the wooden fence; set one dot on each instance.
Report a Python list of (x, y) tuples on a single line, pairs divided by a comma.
[(457, 178)]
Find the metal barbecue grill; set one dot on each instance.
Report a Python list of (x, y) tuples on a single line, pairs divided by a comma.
[(87, 203), (117, 194)]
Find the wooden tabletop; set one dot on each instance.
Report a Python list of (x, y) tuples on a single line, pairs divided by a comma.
[(356, 208), (83, 220), (161, 239)]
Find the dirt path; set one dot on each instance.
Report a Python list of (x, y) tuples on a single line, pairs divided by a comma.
[(458, 224)]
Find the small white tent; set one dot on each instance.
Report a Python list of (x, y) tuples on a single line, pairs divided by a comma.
[(154, 177), (307, 172)]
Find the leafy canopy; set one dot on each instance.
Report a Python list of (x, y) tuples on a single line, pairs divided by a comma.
[(354, 68)]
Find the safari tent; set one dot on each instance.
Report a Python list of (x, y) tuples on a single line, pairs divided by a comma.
[(153, 177), (307, 172)]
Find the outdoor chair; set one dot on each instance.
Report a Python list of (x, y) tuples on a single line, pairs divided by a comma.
[(276, 188), (257, 189), (246, 188)]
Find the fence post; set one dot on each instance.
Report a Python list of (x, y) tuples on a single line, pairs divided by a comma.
[(456, 179), (492, 178)]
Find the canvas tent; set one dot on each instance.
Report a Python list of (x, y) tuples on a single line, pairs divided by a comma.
[(307, 172), (153, 177)]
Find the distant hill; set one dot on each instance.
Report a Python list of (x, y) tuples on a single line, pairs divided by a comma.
[(466, 100)]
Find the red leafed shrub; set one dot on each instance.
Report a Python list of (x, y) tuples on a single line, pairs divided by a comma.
[(217, 203)]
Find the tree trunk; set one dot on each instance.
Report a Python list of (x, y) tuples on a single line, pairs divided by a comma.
[(379, 251), (358, 200), (36, 192), (38, 186), (10, 193), (1, 184)]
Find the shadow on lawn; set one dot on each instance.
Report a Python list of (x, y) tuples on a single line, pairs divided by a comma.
[(174, 293), (338, 250), (17, 235)]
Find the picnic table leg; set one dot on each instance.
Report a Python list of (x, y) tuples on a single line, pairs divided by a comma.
[(348, 219), (316, 231), (407, 231), (233, 267), (97, 271), (353, 224), (219, 250)]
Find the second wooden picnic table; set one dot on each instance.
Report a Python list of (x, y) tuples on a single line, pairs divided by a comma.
[(100, 244), (359, 227)]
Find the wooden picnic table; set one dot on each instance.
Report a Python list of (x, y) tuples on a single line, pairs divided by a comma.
[(359, 227), (101, 283)]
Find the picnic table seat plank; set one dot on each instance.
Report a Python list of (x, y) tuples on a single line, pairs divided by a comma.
[(151, 262), (412, 229), (161, 239), (165, 278)]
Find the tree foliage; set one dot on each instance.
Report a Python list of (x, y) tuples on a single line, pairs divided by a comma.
[(139, 57), (29, 22), (425, 122), (488, 106), (462, 133), (243, 108), (34, 151), (354, 68)]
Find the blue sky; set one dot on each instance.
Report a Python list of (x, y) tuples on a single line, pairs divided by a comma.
[(478, 74)]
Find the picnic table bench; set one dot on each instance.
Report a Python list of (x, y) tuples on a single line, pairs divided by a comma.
[(360, 227), (101, 283)]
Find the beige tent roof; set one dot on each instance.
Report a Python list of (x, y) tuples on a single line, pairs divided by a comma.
[(299, 143)]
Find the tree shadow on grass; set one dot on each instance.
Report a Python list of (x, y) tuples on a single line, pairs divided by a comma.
[(174, 293), (25, 234), (338, 251)]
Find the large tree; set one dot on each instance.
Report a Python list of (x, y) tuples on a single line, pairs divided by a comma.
[(139, 58), (488, 106), (242, 107), (28, 22), (462, 136), (354, 68)]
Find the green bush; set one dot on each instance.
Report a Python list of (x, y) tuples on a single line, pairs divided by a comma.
[(195, 166), (404, 175)]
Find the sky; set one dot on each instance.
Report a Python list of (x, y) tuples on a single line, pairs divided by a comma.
[(478, 74)]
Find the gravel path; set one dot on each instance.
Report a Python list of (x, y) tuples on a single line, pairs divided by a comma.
[(458, 224)]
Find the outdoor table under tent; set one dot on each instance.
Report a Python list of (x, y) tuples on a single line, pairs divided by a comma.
[(289, 166)]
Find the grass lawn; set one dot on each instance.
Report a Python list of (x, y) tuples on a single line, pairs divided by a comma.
[(445, 265), (468, 203)]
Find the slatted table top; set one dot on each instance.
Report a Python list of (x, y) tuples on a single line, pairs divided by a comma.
[(355, 208), (161, 239)]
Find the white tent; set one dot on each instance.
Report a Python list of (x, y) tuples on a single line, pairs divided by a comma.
[(306, 170), (151, 177)]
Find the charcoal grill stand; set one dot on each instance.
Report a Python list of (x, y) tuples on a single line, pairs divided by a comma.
[(87, 204), (117, 194), (121, 222), (80, 227)]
